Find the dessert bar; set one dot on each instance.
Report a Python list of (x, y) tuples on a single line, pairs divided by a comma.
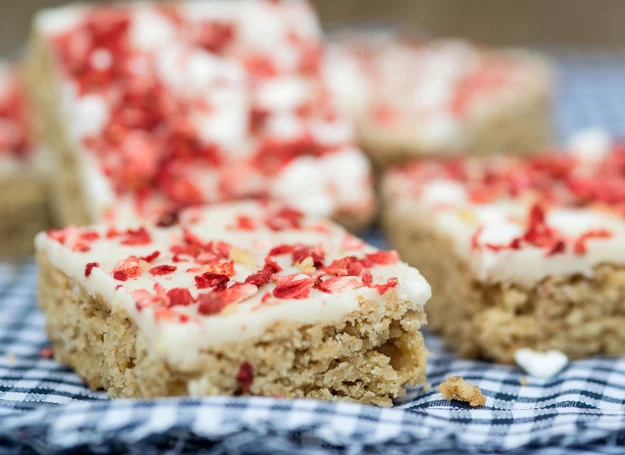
[(521, 253), (241, 298), (417, 98), (153, 107)]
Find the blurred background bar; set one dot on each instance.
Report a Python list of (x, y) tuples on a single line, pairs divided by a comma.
[(571, 23)]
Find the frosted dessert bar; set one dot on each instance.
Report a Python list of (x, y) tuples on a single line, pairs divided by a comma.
[(416, 98), (153, 107), (520, 253), (23, 201), (242, 298)]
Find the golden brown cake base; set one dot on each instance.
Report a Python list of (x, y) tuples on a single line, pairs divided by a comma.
[(23, 213), (577, 315), (368, 357), (521, 128)]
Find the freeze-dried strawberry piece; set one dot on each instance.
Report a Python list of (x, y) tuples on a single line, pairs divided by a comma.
[(60, 235), (237, 292), (257, 119), (339, 284), (383, 257), (351, 242), (281, 249), (244, 223), (538, 233), (558, 247), (150, 257), (89, 236), (216, 301), (46, 353), (181, 191), (214, 36), (475, 242), (129, 267), (81, 247), (210, 279), (305, 251), (190, 238), (210, 304), (143, 299), (163, 269), (224, 268), (292, 287), (136, 237), (89, 267), (168, 219), (348, 266), (167, 314), (120, 276), (285, 218), (245, 376), (367, 277), (206, 257), (219, 247), (112, 233), (382, 288), (264, 275), (179, 296), (579, 246)]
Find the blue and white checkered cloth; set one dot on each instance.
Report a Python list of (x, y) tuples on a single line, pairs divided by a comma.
[(45, 408)]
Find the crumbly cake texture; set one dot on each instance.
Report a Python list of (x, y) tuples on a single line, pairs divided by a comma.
[(412, 98), (243, 298), (151, 108), (23, 201), (520, 253), (456, 388)]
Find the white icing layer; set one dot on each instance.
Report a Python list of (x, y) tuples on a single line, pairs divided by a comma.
[(180, 342)]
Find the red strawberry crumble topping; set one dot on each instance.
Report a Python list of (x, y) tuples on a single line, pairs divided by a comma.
[(89, 267), (291, 287), (245, 376), (163, 270)]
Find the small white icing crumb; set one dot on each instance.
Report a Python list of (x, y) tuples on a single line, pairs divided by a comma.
[(590, 144), (541, 364)]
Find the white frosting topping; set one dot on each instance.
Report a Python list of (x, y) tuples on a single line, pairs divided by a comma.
[(180, 341), (541, 364)]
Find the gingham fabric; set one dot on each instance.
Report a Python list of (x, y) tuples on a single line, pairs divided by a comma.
[(46, 409)]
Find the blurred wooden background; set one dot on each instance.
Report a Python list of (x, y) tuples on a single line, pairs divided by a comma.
[(521, 22)]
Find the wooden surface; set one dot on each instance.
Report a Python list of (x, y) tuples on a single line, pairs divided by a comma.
[(543, 22)]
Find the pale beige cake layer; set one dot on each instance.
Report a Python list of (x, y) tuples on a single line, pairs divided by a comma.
[(580, 316), (521, 128), (368, 357), (23, 213)]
